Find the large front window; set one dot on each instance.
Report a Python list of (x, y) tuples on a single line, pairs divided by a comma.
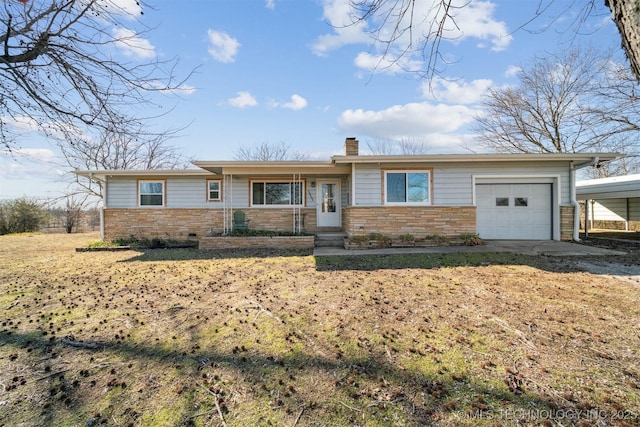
[(407, 187), (280, 193), (151, 193)]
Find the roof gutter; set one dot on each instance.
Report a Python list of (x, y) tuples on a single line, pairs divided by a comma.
[(574, 201)]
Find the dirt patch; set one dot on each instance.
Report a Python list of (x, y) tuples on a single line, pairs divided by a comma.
[(186, 337)]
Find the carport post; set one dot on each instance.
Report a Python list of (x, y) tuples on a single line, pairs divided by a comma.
[(586, 218)]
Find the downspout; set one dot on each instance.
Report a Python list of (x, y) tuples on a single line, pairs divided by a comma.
[(104, 204), (574, 201)]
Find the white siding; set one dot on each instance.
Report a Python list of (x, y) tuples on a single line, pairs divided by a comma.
[(187, 193), (616, 210), (240, 193), (368, 185), (453, 182), (122, 193)]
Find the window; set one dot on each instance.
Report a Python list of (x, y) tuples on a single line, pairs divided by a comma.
[(502, 201), (272, 193), (407, 187), (520, 201), (214, 190), (151, 193)]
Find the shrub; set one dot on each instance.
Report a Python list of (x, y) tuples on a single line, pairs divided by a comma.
[(471, 239), (408, 238), (20, 216)]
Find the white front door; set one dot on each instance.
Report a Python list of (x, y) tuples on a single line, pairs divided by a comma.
[(328, 209)]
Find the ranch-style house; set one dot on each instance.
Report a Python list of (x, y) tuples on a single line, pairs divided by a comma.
[(497, 196)]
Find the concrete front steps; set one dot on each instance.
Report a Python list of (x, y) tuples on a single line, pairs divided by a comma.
[(330, 239)]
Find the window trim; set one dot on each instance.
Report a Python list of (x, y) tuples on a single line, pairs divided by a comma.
[(429, 173), (140, 194), (289, 181), (209, 199)]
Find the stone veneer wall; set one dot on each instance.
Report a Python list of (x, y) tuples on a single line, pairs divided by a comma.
[(566, 222), (179, 223), (419, 221), (257, 242)]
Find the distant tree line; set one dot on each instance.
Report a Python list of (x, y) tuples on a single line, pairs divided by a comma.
[(25, 215)]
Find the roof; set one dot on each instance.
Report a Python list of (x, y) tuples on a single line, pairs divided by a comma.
[(618, 187), (341, 165), (101, 174), (232, 167), (489, 157)]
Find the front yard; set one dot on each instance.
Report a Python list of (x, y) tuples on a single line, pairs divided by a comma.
[(167, 337)]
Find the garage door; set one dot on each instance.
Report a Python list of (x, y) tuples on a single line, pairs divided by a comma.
[(514, 211)]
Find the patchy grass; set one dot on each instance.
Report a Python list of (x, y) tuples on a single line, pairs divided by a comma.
[(184, 337)]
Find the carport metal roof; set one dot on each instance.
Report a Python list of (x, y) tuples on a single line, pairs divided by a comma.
[(619, 187)]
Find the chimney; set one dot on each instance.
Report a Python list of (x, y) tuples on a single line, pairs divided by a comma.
[(351, 147)]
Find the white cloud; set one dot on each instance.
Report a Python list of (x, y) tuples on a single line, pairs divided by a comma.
[(41, 155), (468, 20), (25, 163), (23, 123), (270, 4), (109, 10), (132, 45), (512, 71), (475, 20), (243, 100), (223, 48), (413, 120), (456, 91), (380, 64), (130, 7), (338, 14), (297, 103), (183, 89)]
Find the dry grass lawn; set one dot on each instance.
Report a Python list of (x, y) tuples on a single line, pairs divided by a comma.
[(180, 337)]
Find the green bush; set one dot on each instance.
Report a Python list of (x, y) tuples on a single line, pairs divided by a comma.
[(20, 216)]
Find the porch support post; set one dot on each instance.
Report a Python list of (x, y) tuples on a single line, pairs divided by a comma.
[(353, 184)]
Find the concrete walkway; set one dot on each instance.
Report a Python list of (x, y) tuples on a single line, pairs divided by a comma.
[(526, 247)]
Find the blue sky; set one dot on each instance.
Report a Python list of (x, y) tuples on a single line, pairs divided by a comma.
[(287, 71)]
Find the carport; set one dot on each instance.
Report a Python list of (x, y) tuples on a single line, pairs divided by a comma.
[(610, 200)]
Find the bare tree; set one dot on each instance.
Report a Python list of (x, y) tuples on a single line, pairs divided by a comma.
[(118, 151), (269, 152), (58, 71), (626, 15), (565, 103), (402, 29), (405, 146), (545, 113), (72, 214)]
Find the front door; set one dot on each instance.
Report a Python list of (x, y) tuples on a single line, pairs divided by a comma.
[(328, 209)]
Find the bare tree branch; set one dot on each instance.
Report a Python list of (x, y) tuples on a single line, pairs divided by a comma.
[(57, 68), (269, 152), (574, 101)]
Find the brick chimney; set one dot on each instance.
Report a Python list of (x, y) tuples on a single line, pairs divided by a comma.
[(351, 147)]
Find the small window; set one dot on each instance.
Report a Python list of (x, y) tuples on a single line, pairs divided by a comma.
[(214, 190), (151, 193), (407, 187), (520, 201), (502, 201)]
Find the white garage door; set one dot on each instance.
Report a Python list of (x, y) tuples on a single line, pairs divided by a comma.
[(514, 211)]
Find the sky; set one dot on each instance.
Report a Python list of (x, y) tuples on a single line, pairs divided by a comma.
[(291, 72)]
